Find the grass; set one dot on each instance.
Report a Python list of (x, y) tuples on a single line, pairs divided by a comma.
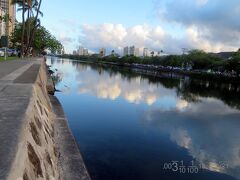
[(8, 58)]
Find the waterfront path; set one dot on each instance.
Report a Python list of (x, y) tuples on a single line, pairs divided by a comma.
[(17, 78), (15, 92)]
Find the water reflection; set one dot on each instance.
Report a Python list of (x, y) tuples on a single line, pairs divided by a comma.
[(199, 116), (208, 130)]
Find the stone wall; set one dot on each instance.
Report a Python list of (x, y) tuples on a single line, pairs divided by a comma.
[(38, 154)]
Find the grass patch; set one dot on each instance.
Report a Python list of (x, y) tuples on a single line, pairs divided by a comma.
[(8, 58)]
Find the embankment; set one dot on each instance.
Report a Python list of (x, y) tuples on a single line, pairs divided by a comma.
[(36, 140)]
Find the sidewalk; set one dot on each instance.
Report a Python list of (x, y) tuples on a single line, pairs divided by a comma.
[(15, 92)]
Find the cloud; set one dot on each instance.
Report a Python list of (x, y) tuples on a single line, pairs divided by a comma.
[(207, 129), (117, 36), (65, 40), (209, 25), (134, 90), (216, 22)]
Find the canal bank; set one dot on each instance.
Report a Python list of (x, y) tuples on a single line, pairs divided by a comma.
[(36, 142), (160, 71)]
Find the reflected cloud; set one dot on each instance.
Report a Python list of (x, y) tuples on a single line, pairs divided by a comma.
[(205, 126), (209, 130), (108, 92), (182, 105), (135, 90)]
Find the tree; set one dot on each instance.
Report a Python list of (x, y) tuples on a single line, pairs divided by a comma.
[(28, 29), (234, 63), (43, 40), (152, 53), (201, 60), (22, 5)]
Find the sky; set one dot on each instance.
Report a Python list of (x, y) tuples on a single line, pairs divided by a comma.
[(168, 25)]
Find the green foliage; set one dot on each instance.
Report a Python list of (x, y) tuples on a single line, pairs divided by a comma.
[(234, 63), (201, 60), (43, 40), (196, 59)]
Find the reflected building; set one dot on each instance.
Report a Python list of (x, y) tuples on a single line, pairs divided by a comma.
[(200, 119)]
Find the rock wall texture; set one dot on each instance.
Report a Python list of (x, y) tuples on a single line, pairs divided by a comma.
[(39, 153)]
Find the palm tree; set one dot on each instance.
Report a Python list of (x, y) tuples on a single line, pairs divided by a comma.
[(36, 6), (152, 53), (22, 7), (28, 6), (113, 52)]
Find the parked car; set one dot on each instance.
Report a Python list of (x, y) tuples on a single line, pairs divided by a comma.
[(2, 52), (10, 52)]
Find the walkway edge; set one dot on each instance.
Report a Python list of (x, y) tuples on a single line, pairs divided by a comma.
[(71, 163)]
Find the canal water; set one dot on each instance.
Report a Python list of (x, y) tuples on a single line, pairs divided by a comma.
[(131, 126)]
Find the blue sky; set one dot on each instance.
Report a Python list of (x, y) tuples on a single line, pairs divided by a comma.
[(169, 25)]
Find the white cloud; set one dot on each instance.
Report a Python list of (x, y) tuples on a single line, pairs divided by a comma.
[(116, 36), (212, 25), (207, 129), (135, 90)]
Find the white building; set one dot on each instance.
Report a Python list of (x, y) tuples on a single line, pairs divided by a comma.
[(133, 51), (80, 51), (102, 52), (85, 52), (136, 53), (145, 52), (125, 51)]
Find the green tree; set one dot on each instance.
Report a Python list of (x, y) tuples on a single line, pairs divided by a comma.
[(29, 23), (233, 64), (202, 60), (43, 40)]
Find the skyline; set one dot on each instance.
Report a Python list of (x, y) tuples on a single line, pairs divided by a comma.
[(166, 25)]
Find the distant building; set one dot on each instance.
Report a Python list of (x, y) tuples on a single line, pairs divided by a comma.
[(85, 52), (80, 51), (145, 52), (131, 50), (6, 7), (125, 51), (102, 52), (134, 51), (74, 52)]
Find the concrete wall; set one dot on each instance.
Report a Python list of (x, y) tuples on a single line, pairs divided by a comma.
[(41, 149)]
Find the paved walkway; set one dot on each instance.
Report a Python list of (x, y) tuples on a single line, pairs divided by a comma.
[(16, 78)]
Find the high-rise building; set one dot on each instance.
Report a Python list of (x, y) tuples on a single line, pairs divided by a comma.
[(7, 8), (80, 51), (133, 51), (145, 52), (125, 51), (85, 52), (102, 52), (74, 52), (136, 52)]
